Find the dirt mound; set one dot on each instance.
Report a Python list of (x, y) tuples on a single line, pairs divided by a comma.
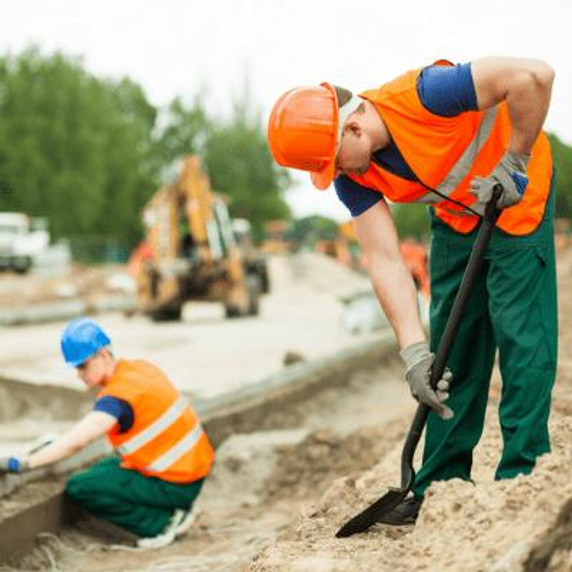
[(305, 468), (507, 526), (244, 463), (553, 550), (488, 525)]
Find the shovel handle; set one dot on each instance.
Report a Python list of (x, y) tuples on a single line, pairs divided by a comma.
[(472, 270)]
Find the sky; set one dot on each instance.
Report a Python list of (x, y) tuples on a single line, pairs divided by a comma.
[(182, 47)]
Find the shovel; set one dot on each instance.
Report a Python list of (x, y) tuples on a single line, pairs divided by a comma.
[(384, 505)]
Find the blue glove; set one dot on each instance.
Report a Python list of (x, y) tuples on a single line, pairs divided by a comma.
[(13, 465), (511, 174)]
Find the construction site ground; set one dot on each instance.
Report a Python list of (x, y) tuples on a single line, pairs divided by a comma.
[(207, 355), (18, 290), (279, 492)]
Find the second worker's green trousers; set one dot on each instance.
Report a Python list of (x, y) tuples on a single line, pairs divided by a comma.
[(512, 307), (143, 505)]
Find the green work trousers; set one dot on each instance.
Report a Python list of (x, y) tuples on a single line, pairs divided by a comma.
[(512, 307), (143, 505)]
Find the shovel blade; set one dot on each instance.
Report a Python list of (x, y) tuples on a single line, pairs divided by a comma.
[(368, 517)]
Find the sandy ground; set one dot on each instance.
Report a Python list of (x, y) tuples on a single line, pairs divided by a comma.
[(80, 282), (520, 524), (207, 355), (278, 496)]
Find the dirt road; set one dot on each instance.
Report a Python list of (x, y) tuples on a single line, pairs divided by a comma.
[(207, 355)]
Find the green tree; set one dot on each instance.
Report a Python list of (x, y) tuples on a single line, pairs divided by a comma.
[(235, 155), (562, 155), (307, 231), (88, 152), (239, 164), (411, 220), (75, 148), (186, 128)]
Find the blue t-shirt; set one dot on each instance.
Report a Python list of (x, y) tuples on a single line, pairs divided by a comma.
[(117, 408), (444, 90)]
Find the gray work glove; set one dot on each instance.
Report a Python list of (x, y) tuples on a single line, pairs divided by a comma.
[(418, 362), (511, 174), (13, 465)]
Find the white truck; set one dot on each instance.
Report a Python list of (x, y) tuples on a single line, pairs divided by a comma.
[(22, 240)]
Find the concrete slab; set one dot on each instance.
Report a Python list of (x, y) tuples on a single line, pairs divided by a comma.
[(19, 531)]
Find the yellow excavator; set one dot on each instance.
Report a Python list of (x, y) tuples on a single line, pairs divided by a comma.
[(190, 252)]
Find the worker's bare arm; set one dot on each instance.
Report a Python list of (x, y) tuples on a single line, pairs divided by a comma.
[(525, 85), (91, 427), (392, 281)]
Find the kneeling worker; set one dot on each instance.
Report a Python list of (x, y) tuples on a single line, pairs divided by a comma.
[(164, 453)]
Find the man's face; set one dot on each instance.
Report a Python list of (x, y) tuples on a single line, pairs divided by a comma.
[(354, 153), (93, 371)]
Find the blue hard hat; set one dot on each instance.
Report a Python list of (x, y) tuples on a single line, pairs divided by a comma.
[(82, 338)]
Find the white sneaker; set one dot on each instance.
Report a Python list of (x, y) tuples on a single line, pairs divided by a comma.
[(189, 518), (180, 523)]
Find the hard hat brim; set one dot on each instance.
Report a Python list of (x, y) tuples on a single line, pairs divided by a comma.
[(323, 178), (76, 363)]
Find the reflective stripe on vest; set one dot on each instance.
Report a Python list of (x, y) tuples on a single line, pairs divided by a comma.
[(163, 422), (155, 429), (464, 164), (178, 450)]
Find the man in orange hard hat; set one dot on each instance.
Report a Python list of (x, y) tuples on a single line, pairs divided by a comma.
[(444, 135)]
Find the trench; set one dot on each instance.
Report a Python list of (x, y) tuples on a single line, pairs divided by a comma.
[(280, 445)]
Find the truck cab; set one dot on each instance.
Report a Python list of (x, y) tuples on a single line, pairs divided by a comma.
[(21, 240)]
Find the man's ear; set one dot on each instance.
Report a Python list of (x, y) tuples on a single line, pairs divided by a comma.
[(105, 352)]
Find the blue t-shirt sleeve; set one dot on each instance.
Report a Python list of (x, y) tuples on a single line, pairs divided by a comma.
[(355, 197), (447, 90), (117, 408)]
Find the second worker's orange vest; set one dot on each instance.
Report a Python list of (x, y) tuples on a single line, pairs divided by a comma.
[(446, 153), (166, 440)]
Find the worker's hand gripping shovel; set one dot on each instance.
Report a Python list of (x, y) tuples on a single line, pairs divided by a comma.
[(395, 496)]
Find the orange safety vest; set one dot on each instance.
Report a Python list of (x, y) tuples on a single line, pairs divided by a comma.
[(166, 440), (446, 153)]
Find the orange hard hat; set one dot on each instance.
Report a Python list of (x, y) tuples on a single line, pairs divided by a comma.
[(303, 131)]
